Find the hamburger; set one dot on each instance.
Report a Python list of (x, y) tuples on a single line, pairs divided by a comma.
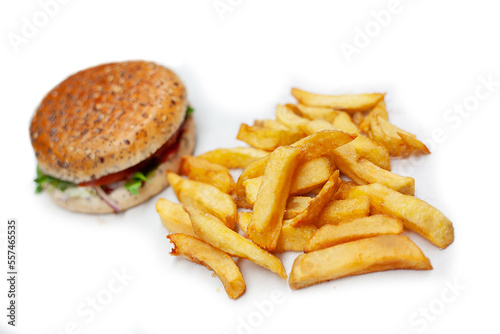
[(105, 137)]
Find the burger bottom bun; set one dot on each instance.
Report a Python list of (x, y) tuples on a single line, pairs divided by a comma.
[(122, 196)]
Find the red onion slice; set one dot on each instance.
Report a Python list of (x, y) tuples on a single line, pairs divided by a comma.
[(102, 194)]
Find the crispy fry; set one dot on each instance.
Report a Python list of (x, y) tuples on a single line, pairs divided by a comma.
[(364, 172), (271, 124), (308, 176), (239, 157), (331, 235), (286, 116), (364, 146), (213, 231), (173, 217), (378, 110), (416, 214), (214, 259), (316, 206), (384, 252), (344, 210), (319, 144), (344, 188), (204, 197), (343, 122), (314, 113), (349, 103), (202, 170), (267, 139), (397, 141), (269, 207), (291, 238), (295, 205)]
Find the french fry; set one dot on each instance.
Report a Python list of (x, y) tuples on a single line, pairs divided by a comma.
[(397, 141), (343, 122), (308, 176), (416, 214), (378, 110), (204, 197), (267, 139), (198, 169), (318, 144), (291, 238), (214, 259), (213, 231), (349, 103), (331, 235), (173, 217), (316, 206), (314, 113), (295, 205), (269, 207), (363, 171), (364, 146), (271, 124), (287, 117), (343, 190), (380, 253), (239, 157), (344, 210)]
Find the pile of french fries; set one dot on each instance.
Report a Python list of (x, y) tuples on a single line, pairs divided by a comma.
[(290, 196)]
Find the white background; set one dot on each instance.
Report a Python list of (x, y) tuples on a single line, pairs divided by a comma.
[(237, 67)]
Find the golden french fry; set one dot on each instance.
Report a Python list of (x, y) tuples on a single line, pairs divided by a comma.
[(344, 188), (314, 113), (286, 116), (205, 197), (358, 117), (291, 238), (294, 238), (269, 207), (416, 214), (271, 124), (295, 205), (397, 141), (214, 259), (349, 102), (364, 146), (318, 144), (311, 174), (319, 202), (202, 170), (213, 231), (267, 139), (238, 157), (410, 140), (308, 176), (363, 171), (343, 122), (384, 252), (378, 110), (173, 217), (331, 235), (344, 210)]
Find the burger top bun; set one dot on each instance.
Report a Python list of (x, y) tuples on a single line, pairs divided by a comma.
[(106, 119)]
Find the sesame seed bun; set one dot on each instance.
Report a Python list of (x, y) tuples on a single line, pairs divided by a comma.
[(106, 119), (121, 196)]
